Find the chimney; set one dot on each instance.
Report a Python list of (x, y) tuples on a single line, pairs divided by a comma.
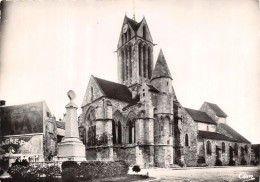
[(2, 103)]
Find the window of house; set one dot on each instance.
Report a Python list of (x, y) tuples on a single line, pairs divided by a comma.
[(114, 131), (246, 149), (207, 128), (209, 148), (236, 149), (223, 147)]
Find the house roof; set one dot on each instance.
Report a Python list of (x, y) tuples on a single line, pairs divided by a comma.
[(60, 124), (200, 116), (219, 112), (161, 68), (133, 102), (215, 136), (135, 25), (233, 133), (114, 90)]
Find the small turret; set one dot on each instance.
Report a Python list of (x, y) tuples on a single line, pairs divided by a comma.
[(161, 76)]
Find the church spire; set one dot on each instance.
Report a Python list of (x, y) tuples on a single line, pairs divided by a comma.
[(161, 68)]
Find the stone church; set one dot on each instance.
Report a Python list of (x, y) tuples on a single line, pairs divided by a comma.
[(140, 120)]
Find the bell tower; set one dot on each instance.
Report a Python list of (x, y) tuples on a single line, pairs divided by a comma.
[(135, 53)]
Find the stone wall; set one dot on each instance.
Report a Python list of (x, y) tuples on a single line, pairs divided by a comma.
[(190, 128)]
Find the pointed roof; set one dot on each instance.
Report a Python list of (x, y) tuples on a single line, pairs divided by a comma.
[(200, 116), (219, 112), (114, 90), (135, 25), (161, 68)]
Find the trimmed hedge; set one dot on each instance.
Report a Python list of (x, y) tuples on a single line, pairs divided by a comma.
[(102, 169), (136, 168), (69, 164)]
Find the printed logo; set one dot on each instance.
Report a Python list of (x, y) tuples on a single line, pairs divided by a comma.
[(245, 176)]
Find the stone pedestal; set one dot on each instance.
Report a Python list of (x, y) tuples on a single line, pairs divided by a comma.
[(71, 147)]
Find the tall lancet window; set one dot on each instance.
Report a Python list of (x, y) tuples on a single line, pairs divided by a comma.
[(140, 58), (126, 63), (149, 63), (144, 32), (144, 61), (123, 65), (130, 61)]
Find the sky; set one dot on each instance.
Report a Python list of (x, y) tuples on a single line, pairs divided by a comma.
[(212, 48)]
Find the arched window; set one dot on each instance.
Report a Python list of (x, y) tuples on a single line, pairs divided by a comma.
[(123, 65), (144, 61), (130, 132), (246, 149), (223, 147), (126, 63), (186, 140), (129, 34), (90, 117), (122, 39), (149, 63), (125, 37), (140, 58), (130, 61), (236, 149), (119, 132), (92, 94), (209, 149), (114, 131), (144, 32)]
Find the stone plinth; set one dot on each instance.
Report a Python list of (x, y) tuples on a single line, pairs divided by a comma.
[(71, 147)]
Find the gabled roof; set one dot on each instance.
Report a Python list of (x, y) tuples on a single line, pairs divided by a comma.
[(200, 116), (217, 110), (114, 90), (135, 25), (215, 136), (161, 68), (233, 133)]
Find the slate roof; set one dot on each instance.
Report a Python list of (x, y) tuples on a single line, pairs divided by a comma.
[(135, 25), (161, 68), (114, 90), (133, 102), (233, 133), (217, 110), (152, 88), (215, 136), (200, 116), (60, 124)]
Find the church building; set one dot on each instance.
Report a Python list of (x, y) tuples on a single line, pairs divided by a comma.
[(140, 120)]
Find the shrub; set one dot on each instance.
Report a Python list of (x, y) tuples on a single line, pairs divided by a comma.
[(70, 174), (243, 161), (218, 162), (51, 172), (136, 168), (69, 164), (24, 162), (101, 169), (232, 163), (1, 172)]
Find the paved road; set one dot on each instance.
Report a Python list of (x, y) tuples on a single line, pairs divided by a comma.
[(223, 174)]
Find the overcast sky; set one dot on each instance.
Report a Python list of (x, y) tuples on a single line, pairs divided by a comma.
[(212, 48)]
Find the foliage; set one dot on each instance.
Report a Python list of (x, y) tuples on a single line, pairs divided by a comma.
[(218, 162), (1, 172), (101, 169), (201, 160), (136, 168), (52, 172), (70, 174), (232, 162), (32, 173), (243, 161), (69, 164), (4, 164)]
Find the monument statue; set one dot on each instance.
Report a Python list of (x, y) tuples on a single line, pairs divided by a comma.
[(71, 147)]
